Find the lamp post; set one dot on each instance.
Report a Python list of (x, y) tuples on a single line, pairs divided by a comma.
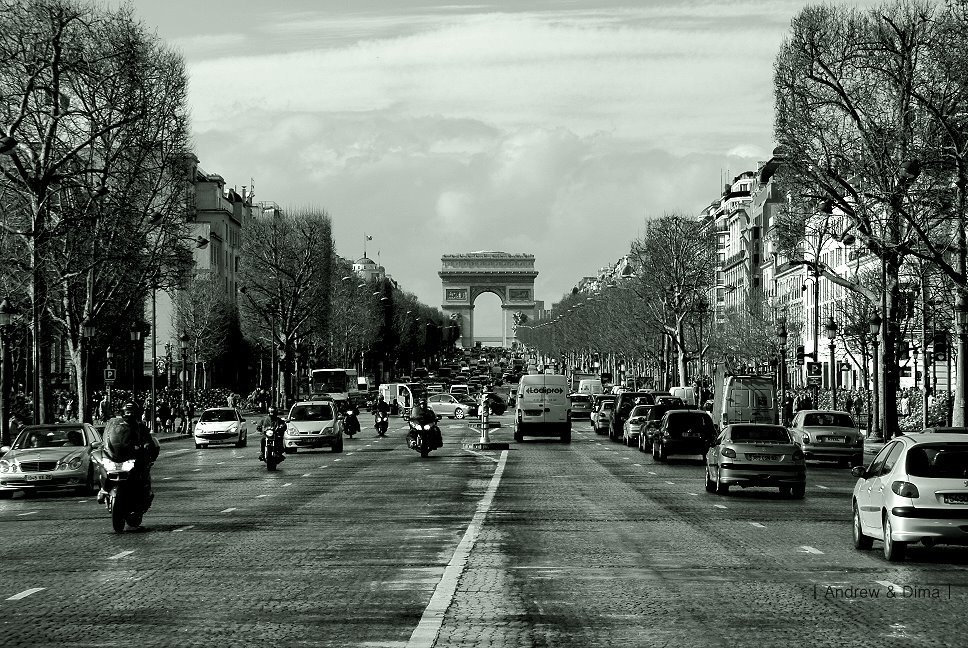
[(183, 341), (135, 333), (781, 336), (831, 330), (109, 355), (87, 333), (874, 325), (7, 314)]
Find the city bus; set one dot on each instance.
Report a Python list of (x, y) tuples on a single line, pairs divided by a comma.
[(338, 384)]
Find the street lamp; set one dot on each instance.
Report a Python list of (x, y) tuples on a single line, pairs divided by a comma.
[(135, 333), (874, 325), (781, 336), (87, 332), (7, 314), (831, 330), (183, 341)]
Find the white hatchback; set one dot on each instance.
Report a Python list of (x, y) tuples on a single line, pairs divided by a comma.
[(220, 426)]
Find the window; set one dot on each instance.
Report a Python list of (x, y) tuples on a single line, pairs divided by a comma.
[(891, 459), (941, 461)]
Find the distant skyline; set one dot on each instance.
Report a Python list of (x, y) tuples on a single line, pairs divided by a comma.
[(550, 128)]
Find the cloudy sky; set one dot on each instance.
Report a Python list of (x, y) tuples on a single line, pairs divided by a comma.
[(554, 128)]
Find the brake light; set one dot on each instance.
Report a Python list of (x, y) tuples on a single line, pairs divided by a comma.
[(905, 489), (729, 452)]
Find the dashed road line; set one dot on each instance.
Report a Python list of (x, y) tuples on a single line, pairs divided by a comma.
[(757, 525), (287, 484), (694, 494), (719, 506), (336, 460), (810, 550), (639, 465), (823, 487), (27, 513), (651, 473), (229, 510), (263, 495), (306, 474), (184, 528), (123, 554), (219, 463), (889, 585), (348, 453), (26, 593), (670, 483), (197, 470), (165, 478)]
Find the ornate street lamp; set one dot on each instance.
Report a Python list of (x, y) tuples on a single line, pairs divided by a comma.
[(874, 325), (183, 341), (87, 333), (7, 315), (135, 332), (831, 331), (781, 336)]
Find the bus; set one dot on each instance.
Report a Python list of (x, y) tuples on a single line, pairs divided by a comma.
[(338, 384)]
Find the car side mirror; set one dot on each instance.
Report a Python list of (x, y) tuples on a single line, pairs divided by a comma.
[(94, 446), (4, 450), (858, 471)]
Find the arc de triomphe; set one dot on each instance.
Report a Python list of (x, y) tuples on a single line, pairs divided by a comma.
[(467, 276)]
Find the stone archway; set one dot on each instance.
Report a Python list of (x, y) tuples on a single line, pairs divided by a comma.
[(467, 276)]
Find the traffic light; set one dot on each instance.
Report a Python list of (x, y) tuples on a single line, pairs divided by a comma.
[(800, 353), (940, 344)]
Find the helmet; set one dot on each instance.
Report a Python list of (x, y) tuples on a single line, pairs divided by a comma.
[(129, 408), (272, 409)]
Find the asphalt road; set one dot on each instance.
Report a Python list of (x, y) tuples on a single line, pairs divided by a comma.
[(587, 544)]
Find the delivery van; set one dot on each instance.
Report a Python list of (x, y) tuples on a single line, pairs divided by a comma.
[(748, 399), (542, 407)]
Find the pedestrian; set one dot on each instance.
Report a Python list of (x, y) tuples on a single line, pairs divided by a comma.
[(230, 400), (13, 427), (849, 403), (190, 414)]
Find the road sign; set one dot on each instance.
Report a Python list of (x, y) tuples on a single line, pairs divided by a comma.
[(110, 375), (814, 373)]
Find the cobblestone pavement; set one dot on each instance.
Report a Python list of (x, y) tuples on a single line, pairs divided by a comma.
[(587, 544)]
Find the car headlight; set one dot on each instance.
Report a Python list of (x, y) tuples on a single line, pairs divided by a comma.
[(729, 453), (427, 426), (6, 466), (73, 464), (270, 433), (806, 438), (292, 430)]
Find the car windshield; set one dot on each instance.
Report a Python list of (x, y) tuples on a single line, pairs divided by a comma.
[(218, 416), (311, 413), (828, 419), (759, 434), (49, 438), (939, 461)]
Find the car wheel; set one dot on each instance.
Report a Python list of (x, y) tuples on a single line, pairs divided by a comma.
[(338, 446), (655, 452), (861, 541), (663, 455), (91, 485), (721, 488), (799, 491), (242, 442), (710, 484), (459, 413), (894, 550)]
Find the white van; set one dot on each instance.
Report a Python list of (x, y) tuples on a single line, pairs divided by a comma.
[(542, 407), (748, 399), (686, 394), (590, 386)]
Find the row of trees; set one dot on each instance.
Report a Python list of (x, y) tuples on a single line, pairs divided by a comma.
[(872, 120), (96, 173)]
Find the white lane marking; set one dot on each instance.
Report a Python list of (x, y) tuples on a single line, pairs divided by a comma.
[(263, 495), (481, 454), (324, 466), (197, 470), (425, 634), (306, 474), (757, 525), (184, 528), (219, 463), (670, 483), (810, 550), (823, 487), (229, 510), (164, 478), (337, 459), (639, 465), (174, 452), (694, 494), (27, 513), (287, 484), (651, 473), (121, 555), (890, 585), (26, 593), (348, 453), (719, 506)]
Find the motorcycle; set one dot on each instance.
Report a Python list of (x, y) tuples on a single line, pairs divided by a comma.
[(351, 422), (128, 484), (273, 444), (424, 436), (381, 423)]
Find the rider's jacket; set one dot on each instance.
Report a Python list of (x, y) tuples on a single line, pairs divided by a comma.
[(128, 439)]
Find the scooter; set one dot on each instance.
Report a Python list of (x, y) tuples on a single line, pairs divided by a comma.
[(382, 423), (424, 437), (351, 422), (128, 484)]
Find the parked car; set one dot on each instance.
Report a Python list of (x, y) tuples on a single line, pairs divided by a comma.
[(945, 430), (581, 405), (633, 424), (914, 490), (50, 457), (313, 424), (756, 454), (624, 403), (220, 425), (828, 435), (452, 405), (683, 432)]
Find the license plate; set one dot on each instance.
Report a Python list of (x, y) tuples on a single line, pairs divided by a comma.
[(690, 434), (37, 477), (957, 498), (832, 439), (763, 457)]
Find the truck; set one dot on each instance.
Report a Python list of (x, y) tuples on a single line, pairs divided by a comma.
[(743, 398), (576, 378)]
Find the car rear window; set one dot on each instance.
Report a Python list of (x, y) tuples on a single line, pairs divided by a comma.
[(580, 398), (828, 419), (940, 461), (640, 410), (682, 421), (759, 433)]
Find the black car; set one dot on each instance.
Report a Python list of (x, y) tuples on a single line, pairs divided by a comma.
[(683, 432), (623, 405), (654, 419)]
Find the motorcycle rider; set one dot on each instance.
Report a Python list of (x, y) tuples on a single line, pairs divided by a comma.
[(271, 421), (421, 414), (127, 437), (351, 418), (381, 407)]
